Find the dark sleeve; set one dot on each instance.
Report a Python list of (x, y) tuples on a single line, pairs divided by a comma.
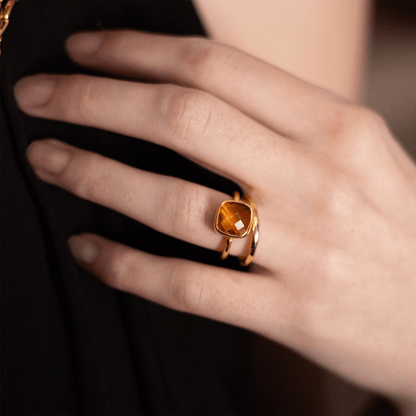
[(71, 345), (379, 406)]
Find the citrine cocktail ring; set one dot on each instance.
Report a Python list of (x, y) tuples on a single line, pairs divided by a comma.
[(238, 219)]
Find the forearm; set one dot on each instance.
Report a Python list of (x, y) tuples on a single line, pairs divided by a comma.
[(320, 41)]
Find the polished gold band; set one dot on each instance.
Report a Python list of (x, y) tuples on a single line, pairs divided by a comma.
[(238, 219), (247, 259)]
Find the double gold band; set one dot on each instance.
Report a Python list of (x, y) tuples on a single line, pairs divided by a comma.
[(238, 219)]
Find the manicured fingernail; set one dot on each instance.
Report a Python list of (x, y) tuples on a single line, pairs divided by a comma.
[(82, 249), (84, 43), (48, 156), (34, 91)]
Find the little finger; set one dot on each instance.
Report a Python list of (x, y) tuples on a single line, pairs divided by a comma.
[(255, 302)]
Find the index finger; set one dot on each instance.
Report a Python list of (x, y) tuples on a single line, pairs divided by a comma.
[(186, 120), (268, 94)]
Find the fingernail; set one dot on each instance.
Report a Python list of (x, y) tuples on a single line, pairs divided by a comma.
[(84, 43), (48, 156), (82, 249), (34, 91)]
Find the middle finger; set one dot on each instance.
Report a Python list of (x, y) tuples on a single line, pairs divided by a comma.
[(191, 122), (172, 206)]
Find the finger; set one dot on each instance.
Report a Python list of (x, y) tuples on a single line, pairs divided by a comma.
[(277, 99), (172, 206), (190, 122), (237, 298)]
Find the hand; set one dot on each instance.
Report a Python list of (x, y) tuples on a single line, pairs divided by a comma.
[(334, 276)]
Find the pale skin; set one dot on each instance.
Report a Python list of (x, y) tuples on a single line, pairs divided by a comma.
[(334, 276), (320, 41)]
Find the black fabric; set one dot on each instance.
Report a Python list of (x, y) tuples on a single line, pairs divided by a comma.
[(379, 406), (71, 345)]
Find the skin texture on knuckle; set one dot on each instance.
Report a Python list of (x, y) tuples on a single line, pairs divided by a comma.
[(188, 293), (367, 120), (204, 60), (89, 177), (184, 210), (189, 116), (341, 199), (357, 132), (79, 100), (120, 269), (328, 197)]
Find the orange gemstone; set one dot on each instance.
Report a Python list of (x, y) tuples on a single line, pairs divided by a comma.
[(234, 219)]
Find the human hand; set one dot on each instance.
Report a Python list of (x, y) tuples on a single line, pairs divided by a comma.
[(334, 276)]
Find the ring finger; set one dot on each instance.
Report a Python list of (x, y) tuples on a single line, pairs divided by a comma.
[(173, 206)]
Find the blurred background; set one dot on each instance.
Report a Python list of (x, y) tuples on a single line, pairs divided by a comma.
[(390, 77)]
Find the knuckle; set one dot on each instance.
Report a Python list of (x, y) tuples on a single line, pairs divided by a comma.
[(203, 58), (336, 126), (79, 99), (188, 289), (188, 114), (337, 119), (354, 134), (332, 195), (337, 204), (341, 198), (367, 119), (121, 269), (355, 124), (89, 178), (365, 123), (186, 207)]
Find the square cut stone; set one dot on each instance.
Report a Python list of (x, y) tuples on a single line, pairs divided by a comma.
[(234, 219)]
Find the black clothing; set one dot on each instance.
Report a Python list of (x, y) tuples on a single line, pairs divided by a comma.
[(70, 344)]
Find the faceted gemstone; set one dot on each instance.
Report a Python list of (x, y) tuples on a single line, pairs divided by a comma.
[(234, 218)]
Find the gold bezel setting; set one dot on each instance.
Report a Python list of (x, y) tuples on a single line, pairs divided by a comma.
[(233, 201)]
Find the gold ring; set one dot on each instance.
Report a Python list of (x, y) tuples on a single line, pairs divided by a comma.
[(238, 219)]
